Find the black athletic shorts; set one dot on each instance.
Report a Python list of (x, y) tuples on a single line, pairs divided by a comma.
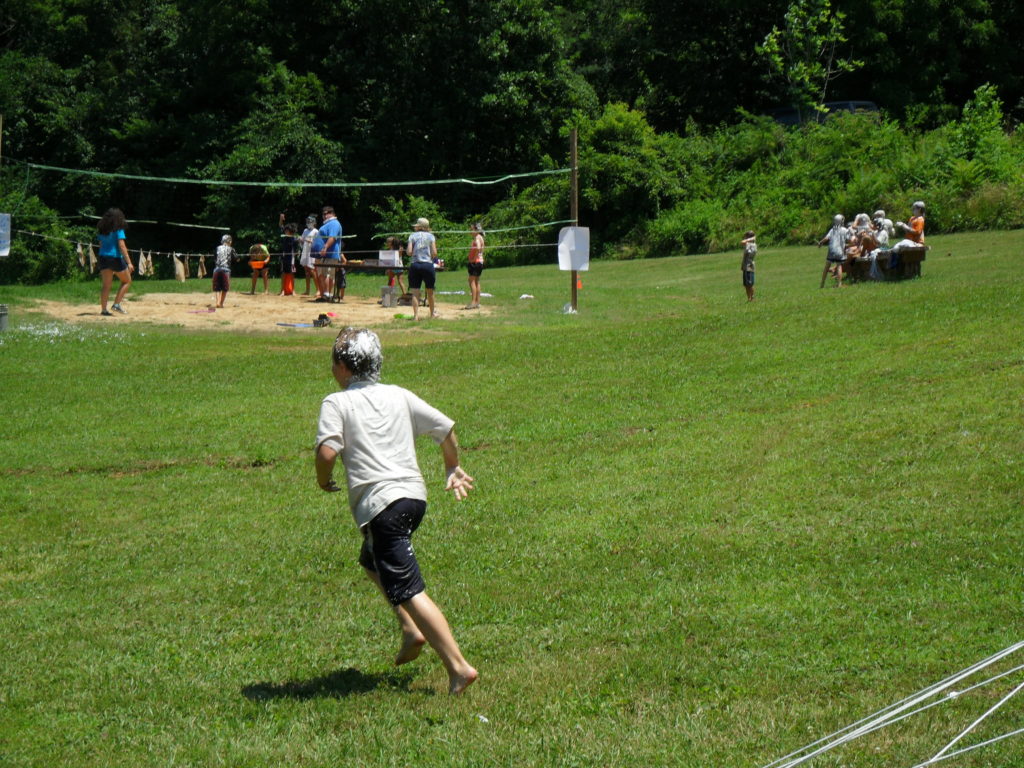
[(387, 549), (475, 269), (113, 263), (420, 273), (748, 278)]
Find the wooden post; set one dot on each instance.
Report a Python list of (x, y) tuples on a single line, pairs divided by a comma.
[(574, 207)]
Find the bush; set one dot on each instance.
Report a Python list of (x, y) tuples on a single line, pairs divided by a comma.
[(48, 255), (688, 228), (649, 194)]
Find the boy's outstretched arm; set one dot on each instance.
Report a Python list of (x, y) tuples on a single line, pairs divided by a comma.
[(458, 481)]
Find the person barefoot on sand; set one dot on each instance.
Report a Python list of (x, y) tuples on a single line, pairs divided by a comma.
[(373, 427)]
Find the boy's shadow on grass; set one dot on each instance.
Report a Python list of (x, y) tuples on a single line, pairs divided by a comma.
[(334, 685)]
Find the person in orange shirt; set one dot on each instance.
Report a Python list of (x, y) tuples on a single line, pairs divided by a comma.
[(913, 230), (475, 265)]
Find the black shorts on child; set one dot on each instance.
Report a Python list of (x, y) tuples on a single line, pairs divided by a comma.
[(387, 549)]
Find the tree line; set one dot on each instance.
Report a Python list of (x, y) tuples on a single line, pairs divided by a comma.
[(406, 90)]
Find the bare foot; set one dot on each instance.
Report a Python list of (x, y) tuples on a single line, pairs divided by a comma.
[(458, 683), (411, 647)]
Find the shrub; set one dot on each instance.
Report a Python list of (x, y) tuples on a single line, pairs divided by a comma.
[(46, 257), (688, 228)]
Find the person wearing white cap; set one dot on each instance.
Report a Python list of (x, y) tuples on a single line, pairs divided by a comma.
[(309, 236), (422, 250)]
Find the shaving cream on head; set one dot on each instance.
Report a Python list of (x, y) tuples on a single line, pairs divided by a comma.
[(360, 351)]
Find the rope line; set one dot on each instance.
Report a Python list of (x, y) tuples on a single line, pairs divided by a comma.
[(971, 748), (483, 181), (951, 694), (488, 231), (243, 256), (973, 725), (885, 716)]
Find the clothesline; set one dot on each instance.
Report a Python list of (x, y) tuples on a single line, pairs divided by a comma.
[(193, 254)]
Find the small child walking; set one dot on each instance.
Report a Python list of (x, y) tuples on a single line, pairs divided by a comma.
[(289, 249), (222, 271), (749, 254), (836, 239)]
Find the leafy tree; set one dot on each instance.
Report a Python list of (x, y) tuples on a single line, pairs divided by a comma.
[(280, 140), (805, 51)]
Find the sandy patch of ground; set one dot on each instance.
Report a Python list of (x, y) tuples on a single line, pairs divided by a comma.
[(253, 313)]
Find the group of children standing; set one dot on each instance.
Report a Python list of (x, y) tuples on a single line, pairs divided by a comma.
[(301, 250), (295, 251), (867, 235)]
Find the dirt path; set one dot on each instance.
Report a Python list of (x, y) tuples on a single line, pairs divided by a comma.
[(250, 313)]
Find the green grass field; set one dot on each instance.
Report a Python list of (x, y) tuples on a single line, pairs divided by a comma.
[(705, 532)]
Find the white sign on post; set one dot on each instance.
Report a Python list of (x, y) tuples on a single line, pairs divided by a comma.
[(574, 249), (5, 234)]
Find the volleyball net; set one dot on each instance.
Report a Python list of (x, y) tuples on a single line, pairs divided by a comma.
[(520, 213)]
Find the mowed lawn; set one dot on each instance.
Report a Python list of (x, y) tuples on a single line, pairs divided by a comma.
[(705, 532)]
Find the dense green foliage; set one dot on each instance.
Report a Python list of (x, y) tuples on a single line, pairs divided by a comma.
[(371, 91), (704, 533)]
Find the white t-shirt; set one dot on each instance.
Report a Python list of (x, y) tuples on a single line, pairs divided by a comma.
[(374, 427), (308, 236)]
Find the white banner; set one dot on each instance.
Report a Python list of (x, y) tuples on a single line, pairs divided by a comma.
[(5, 234), (574, 249)]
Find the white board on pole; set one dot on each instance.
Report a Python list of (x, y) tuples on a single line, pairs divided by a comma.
[(574, 249), (5, 234)]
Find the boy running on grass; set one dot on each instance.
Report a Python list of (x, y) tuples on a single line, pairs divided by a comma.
[(373, 427)]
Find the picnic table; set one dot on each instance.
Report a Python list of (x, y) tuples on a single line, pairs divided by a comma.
[(353, 265), (893, 265), (360, 265)]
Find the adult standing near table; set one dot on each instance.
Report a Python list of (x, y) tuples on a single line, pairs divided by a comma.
[(310, 245), (114, 259), (475, 265), (330, 233), (422, 250)]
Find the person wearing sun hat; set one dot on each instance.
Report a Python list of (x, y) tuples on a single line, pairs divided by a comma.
[(422, 250)]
